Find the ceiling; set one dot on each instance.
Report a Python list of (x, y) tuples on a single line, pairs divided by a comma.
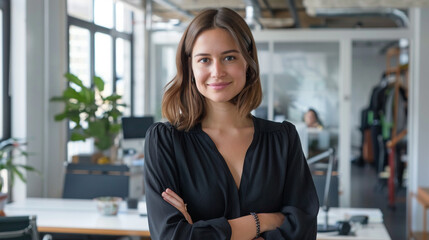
[(275, 14)]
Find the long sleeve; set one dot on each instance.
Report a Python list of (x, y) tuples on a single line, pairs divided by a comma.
[(300, 201), (161, 172)]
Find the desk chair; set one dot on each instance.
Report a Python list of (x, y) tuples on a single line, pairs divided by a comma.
[(18, 228), (319, 182), (88, 181), (325, 203)]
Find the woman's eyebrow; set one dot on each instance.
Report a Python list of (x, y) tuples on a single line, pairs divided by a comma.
[(230, 51), (223, 53)]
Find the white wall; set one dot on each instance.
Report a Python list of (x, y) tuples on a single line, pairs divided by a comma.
[(18, 80), (38, 44), (419, 111), (139, 63), (55, 133)]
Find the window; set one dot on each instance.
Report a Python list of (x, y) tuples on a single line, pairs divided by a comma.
[(5, 131), (100, 36), (4, 69)]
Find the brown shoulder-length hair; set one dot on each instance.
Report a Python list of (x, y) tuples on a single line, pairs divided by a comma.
[(182, 104)]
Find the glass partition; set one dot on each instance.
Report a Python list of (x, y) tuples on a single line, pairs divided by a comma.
[(305, 76), (164, 70), (294, 77), (263, 58)]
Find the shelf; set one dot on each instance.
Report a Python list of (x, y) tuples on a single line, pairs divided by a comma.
[(419, 236)]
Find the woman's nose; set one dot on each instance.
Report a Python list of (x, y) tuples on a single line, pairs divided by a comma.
[(218, 69)]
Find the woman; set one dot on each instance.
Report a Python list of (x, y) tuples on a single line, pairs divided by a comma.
[(241, 177), (312, 120)]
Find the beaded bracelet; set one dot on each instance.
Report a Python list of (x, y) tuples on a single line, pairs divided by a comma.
[(258, 225)]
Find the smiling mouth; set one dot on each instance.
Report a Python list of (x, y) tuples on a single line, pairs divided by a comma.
[(218, 86)]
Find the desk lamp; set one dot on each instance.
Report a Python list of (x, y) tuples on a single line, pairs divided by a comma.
[(328, 153)]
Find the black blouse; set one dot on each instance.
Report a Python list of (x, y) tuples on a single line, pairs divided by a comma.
[(275, 178)]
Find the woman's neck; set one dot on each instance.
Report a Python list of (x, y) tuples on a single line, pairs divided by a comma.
[(224, 116)]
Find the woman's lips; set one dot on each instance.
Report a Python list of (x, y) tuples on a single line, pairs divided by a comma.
[(218, 86)]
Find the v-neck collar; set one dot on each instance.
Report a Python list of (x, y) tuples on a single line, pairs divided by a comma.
[(246, 164)]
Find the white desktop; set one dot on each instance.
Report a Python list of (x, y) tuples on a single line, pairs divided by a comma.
[(81, 216)]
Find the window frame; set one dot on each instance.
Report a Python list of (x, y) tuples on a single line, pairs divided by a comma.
[(93, 28), (6, 114)]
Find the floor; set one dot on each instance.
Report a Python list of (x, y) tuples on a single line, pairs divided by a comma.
[(368, 191)]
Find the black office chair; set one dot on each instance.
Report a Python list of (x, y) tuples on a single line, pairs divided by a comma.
[(319, 183), (19, 228), (88, 181)]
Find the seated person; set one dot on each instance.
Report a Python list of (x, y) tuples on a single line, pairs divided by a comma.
[(312, 120)]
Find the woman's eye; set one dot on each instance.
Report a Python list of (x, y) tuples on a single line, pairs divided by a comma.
[(229, 58), (203, 60)]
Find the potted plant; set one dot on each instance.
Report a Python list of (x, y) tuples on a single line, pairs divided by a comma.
[(94, 115), (9, 150)]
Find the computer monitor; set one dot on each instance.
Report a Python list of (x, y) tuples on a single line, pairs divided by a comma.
[(134, 132), (136, 127)]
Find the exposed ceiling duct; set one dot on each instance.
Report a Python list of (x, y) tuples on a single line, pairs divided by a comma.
[(173, 6), (398, 16), (253, 13), (294, 13), (280, 14), (403, 4), (269, 8), (255, 20)]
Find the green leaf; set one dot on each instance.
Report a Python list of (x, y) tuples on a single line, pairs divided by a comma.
[(70, 93), (77, 137), (73, 106), (24, 153), (97, 128), (86, 95), (29, 168), (115, 113), (58, 99), (61, 116), (115, 128), (12, 175), (19, 174), (113, 98), (74, 79), (104, 143), (99, 83), (74, 116)]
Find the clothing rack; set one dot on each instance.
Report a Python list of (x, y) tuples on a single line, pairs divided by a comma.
[(398, 70)]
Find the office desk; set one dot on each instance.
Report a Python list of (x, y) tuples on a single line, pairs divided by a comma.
[(81, 216), (374, 230)]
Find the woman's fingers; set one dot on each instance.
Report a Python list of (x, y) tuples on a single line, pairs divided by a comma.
[(173, 201), (172, 198), (173, 194)]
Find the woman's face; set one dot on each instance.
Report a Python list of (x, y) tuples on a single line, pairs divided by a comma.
[(219, 67), (310, 119)]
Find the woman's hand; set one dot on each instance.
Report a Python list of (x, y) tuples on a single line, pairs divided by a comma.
[(172, 198), (270, 221)]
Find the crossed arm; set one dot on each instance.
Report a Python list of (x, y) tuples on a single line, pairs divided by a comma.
[(242, 227)]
